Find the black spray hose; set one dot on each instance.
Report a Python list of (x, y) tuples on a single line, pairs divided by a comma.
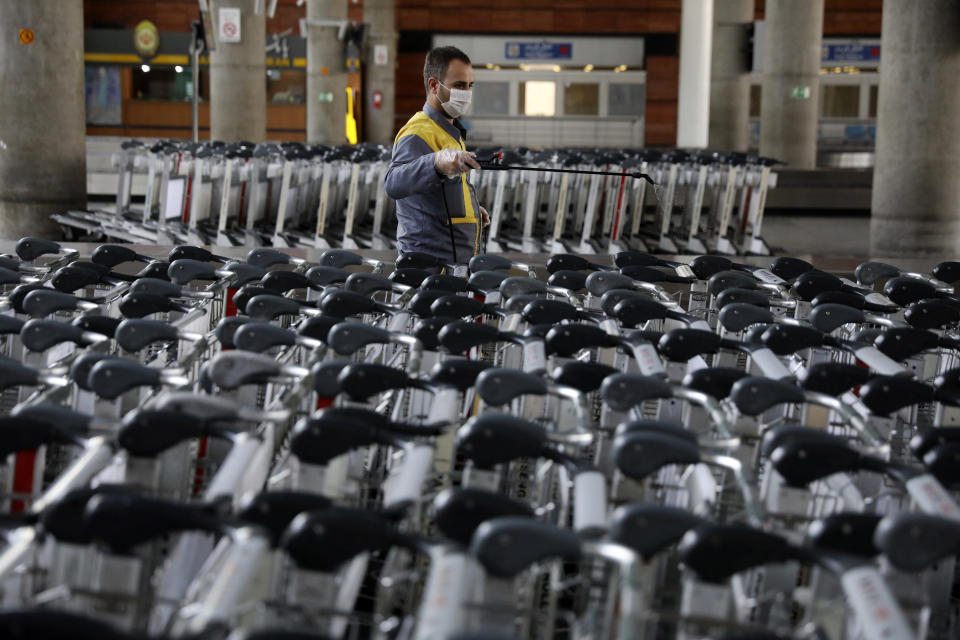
[(494, 162)]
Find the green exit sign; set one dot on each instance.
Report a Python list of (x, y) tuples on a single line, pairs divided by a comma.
[(325, 96), (800, 93)]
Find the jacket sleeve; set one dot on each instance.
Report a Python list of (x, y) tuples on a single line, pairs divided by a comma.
[(411, 169)]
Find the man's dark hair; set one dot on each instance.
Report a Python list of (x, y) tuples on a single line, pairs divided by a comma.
[(438, 61)]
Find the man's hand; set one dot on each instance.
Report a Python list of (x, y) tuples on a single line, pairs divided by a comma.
[(453, 162), (484, 217)]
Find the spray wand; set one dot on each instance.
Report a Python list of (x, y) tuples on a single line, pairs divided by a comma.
[(494, 161)]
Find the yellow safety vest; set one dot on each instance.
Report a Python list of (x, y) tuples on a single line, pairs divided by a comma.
[(428, 130)]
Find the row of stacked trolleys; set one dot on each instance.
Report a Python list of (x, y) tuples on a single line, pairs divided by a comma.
[(292, 195), (269, 447)]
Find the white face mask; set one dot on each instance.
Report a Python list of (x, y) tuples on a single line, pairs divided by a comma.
[(458, 103)]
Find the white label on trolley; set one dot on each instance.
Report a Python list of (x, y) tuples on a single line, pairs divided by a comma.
[(510, 323), (706, 600), (445, 405), (534, 356), (878, 298), (406, 484), (763, 275), (770, 364), (237, 471), (398, 323), (348, 589), (648, 360), (932, 498), (879, 361), (60, 351), (610, 327), (589, 501), (702, 487), (481, 479), (440, 611), (878, 613), (703, 325), (848, 282), (696, 363), (781, 498)]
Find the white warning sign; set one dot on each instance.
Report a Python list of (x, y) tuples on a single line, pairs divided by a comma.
[(228, 20)]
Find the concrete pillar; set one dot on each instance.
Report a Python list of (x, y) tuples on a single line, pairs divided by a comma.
[(238, 77), (42, 116), (693, 101), (379, 125), (916, 179), (326, 73), (729, 76), (791, 81)]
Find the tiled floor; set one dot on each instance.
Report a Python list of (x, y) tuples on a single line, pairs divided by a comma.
[(833, 242), (831, 236)]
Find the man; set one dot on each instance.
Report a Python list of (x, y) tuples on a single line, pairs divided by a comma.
[(437, 209)]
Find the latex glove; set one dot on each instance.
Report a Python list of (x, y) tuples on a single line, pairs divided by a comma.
[(453, 162), (484, 217)]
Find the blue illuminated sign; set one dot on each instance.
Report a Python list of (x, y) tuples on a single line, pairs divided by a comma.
[(845, 53), (538, 50)]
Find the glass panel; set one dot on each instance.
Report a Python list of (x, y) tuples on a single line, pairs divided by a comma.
[(873, 100), (581, 99), (840, 101), (104, 95), (755, 90), (538, 98), (161, 83), (491, 98), (286, 87), (626, 99)]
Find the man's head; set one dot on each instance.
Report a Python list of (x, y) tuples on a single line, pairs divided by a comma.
[(446, 69)]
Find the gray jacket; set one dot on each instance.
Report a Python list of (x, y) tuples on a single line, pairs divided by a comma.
[(425, 199)]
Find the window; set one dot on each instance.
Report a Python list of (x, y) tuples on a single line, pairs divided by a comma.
[(286, 87), (538, 98), (873, 100), (626, 99), (841, 101), (581, 99), (755, 95), (491, 98), (162, 83)]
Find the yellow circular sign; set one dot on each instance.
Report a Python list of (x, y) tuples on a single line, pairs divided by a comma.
[(146, 39), (26, 36)]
